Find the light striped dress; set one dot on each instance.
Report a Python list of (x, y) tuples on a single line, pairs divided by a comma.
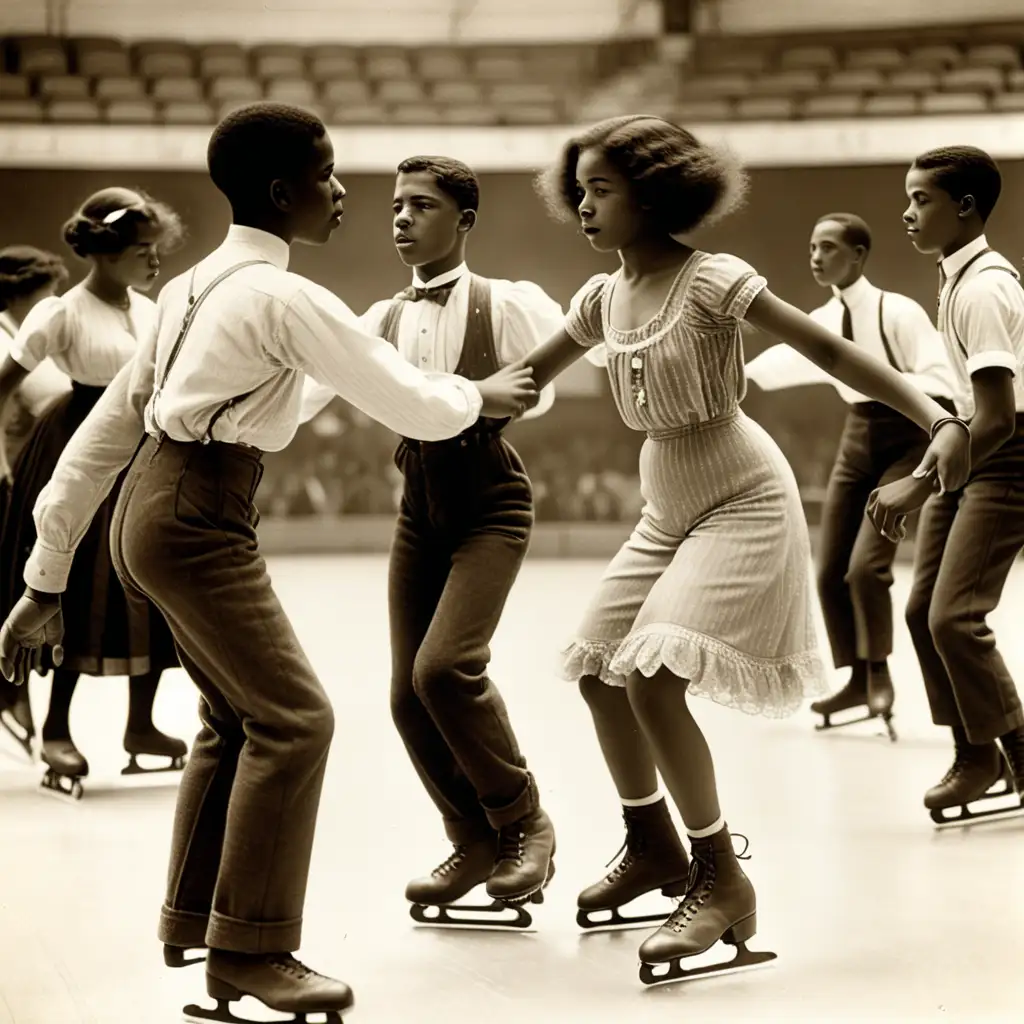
[(715, 582)]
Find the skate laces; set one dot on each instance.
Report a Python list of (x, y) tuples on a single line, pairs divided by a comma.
[(631, 848), (453, 861), (287, 963), (700, 882), (512, 843)]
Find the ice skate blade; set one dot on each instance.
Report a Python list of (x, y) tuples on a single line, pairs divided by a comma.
[(19, 735), (52, 785), (195, 1014), (827, 725), (133, 767), (494, 917), (744, 960), (177, 956), (944, 817), (617, 922)]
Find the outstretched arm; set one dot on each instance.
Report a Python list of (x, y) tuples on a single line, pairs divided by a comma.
[(547, 361)]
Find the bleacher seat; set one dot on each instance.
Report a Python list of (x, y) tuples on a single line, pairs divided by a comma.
[(53, 87), (417, 114), (892, 105), (163, 59), (884, 58), (510, 93), (20, 110), (359, 113), (1009, 102), (473, 114), (829, 105), (749, 63), (330, 62), (406, 91), (855, 80), (938, 57), (497, 67), (766, 108), (980, 79), (182, 90), (531, 113), (461, 91), (954, 103), (222, 60), (187, 112), (787, 83), (299, 91), (276, 60), (912, 80), (134, 111), (119, 88), (809, 58), (1015, 79), (353, 91), (101, 58), (702, 111), (14, 87), (380, 65), (73, 111), (995, 55), (230, 88), (719, 86), (37, 55), (435, 65)]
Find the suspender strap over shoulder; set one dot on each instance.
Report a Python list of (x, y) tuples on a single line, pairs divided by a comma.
[(890, 354), (186, 325)]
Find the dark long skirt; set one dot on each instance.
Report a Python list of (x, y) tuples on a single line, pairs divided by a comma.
[(105, 632)]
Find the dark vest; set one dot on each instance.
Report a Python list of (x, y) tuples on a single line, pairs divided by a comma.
[(479, 357)]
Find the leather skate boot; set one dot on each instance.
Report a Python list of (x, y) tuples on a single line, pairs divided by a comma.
[(976, 768), (719, 905), (880, 692), (853, 695), (1013, 747), (277, 980), (525, 862), (470, 865), (653, 857), (153, 743)]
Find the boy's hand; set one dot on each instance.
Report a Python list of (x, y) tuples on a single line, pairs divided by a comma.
[(889, 506), (509, 392), (32, 624)]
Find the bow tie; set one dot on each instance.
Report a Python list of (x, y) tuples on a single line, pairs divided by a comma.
[(438, 294)]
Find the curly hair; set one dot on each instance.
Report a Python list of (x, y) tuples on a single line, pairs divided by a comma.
[(685, 183), (257, 143), (453, 177), (965, 171), (109, 222), (25, 270)]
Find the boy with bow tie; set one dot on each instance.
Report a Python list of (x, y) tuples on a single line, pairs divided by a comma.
[(462, 533)]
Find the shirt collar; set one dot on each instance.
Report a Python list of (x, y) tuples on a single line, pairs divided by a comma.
[(267, 246), (854, 293), (436, 282), (955, 262)]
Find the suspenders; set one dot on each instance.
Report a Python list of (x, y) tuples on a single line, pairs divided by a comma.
[(186, 325), (885, 339), (956, 282)]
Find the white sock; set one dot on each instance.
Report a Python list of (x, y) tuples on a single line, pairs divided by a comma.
[(703, 833), (645, 801)]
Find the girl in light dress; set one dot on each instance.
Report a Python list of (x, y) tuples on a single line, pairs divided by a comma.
[(89, 333), (712, 595)]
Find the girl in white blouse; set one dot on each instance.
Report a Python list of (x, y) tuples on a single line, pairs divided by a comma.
[(27, 276), (89, 334)]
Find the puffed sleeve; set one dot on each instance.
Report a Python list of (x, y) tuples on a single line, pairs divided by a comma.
[(44, 332), (583, 323), (724, 287)]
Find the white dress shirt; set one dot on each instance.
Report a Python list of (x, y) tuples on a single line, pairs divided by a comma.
[(262, 328), (983, 325), (430, 335), (917, 347), (43, 384)]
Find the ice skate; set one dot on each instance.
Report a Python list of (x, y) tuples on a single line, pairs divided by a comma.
[(857, 693), (978, 775), (435, 898), (652, 858), (1013, 750), (278, 981), (153, 743), (719, 906), (66, 767), (525, 862), (16, 718)]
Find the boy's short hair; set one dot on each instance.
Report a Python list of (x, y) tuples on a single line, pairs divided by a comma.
[(453, 177), (258, 143), (965, 171), (855, 229)]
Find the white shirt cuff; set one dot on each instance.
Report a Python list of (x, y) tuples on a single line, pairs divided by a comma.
[(47, 571), (997, 357), (473, 399), (24, 359)]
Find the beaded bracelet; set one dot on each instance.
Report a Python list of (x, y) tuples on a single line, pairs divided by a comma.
[(943, 420)]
